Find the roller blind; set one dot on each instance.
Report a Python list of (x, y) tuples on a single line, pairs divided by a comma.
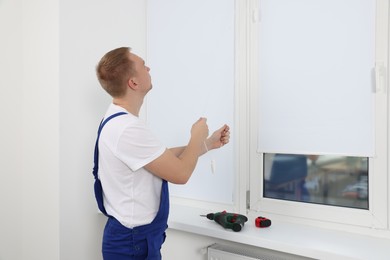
[(191, 56), (315, 76)]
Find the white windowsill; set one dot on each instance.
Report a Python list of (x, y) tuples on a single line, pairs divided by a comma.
[(285, 237)]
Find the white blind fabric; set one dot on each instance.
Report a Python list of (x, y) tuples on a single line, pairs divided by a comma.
[(315, 77), (191, 56)]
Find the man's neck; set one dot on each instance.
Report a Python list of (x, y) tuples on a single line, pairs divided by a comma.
[(132, 106)]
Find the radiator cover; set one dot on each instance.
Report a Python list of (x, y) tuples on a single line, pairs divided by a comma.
[(227, 252)]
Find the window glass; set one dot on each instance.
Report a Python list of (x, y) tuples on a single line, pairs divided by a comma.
[(325, 179)]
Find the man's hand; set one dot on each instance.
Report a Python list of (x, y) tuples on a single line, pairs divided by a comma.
[(219, 138), (200, 130)]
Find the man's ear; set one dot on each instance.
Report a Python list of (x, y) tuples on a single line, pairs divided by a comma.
[(132, 83)]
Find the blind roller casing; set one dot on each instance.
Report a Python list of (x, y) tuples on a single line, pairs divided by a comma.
[(315, 77)]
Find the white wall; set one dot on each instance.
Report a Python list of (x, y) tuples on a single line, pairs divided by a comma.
[(88, 29), (40, 169), (29, 142), (182, 245), (51, 105), (11, 129)]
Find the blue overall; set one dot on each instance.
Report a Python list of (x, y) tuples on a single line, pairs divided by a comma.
[(142, 242)]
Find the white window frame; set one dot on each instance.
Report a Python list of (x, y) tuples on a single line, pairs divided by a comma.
[(377, 215)]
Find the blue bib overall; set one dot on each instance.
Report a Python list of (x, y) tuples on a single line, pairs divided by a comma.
[(138, 243)]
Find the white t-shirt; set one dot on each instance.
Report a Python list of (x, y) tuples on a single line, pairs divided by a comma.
[(131, 193)]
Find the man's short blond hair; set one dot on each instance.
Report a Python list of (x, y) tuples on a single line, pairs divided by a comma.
[(114, 70)]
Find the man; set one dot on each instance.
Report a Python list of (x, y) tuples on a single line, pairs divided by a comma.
[(134, 166)]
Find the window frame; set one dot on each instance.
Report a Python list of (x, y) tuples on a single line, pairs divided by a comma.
[(377, 214)]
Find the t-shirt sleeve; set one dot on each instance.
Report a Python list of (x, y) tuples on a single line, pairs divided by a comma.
[(138, 146)]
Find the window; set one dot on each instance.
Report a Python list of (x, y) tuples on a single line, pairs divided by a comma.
[(319, 51), (233, 64)]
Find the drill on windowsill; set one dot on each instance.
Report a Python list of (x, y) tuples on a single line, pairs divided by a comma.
[(227, 220)]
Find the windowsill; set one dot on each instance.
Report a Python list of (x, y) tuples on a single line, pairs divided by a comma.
[(285, 237)]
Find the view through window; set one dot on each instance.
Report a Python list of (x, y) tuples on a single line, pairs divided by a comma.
[(322, 179)]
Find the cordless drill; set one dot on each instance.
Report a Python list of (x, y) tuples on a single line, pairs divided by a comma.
[(232, 221)]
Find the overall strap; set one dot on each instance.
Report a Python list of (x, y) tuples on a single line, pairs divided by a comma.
[(98, 186)]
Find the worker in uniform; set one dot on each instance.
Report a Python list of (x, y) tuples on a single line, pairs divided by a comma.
[(132, 167)]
